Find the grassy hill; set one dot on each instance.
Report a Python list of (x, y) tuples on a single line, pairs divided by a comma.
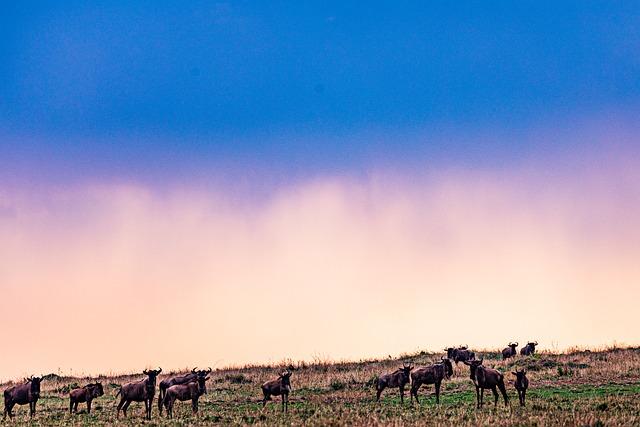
[(578, 387)]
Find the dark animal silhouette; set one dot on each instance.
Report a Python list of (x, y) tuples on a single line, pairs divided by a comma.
[(139, 391), (433, 374), (398, 378), (521, 384), (29, 392), (84, 394), (509, 351), (529, 349), (486, 378), (460, 354), (281, 386), (178, 379), (189, 391)]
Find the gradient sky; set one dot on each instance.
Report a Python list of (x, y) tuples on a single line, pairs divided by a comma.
[(285, 180)]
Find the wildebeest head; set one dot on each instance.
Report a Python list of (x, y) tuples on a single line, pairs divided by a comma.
[(473, 365), (202, 373), (532, 345), (448, 367), (35, 385), (519, 374), (202, 386), (406, 369), (152, 374), (97, 390), (513, 346), (450, 352), (286, 377)]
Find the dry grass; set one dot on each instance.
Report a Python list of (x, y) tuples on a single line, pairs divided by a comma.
[(579, 387)]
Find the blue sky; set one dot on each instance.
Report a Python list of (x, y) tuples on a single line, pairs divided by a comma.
[(327, 86)]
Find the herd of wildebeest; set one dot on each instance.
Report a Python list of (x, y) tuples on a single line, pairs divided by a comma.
[(192, 385)]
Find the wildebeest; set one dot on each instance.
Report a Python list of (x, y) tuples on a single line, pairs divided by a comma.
[(433, 374), (29, 392), (281, 386), (139, 391), (529, 349), (189, 391), (460, 354), (398, 378), (521, 384), (84, 394), (179, 379), (510, 351), (486, 378)]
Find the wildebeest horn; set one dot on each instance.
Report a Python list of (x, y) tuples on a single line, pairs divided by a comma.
[(517, 343), (145, 372), (193, 371), (443, 358), (536, 342), (159, 369), (209, 370)]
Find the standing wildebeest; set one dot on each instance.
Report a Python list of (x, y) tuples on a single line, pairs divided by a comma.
[(281, 386), (191, 390), (84, 394), (460, 354), (510, 351), (521, 384), (398, 378), (486, 378), (433, 374), (529, 349), (180, 379), (29, 392), (139, 391)]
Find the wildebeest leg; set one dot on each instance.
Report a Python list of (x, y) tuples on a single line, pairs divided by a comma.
[(124, 408), (120, 404), (523, 396), (70, 406), (266, 398), (160, 399), (414, 392), (438, 392), (481, 397), (88, 406), (503, 390), (32, 409), (378, 393), (495, 396), (283, 398), (401, 393), (194, 406), (477, 397), (147, 412)]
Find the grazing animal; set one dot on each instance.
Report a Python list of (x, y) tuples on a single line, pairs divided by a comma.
[(189, 391), (510, 351), (281, 386), (486, 378), (139, 391), (398, 378), (521, 384), (529, 349), (433, 374), (460, 354), (84, 394), (180, 379), (29, 392)]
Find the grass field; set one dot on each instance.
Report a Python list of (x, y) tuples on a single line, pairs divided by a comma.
[(575, 388)]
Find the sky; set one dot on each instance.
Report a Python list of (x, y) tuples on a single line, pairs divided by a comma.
[(201, 183)]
